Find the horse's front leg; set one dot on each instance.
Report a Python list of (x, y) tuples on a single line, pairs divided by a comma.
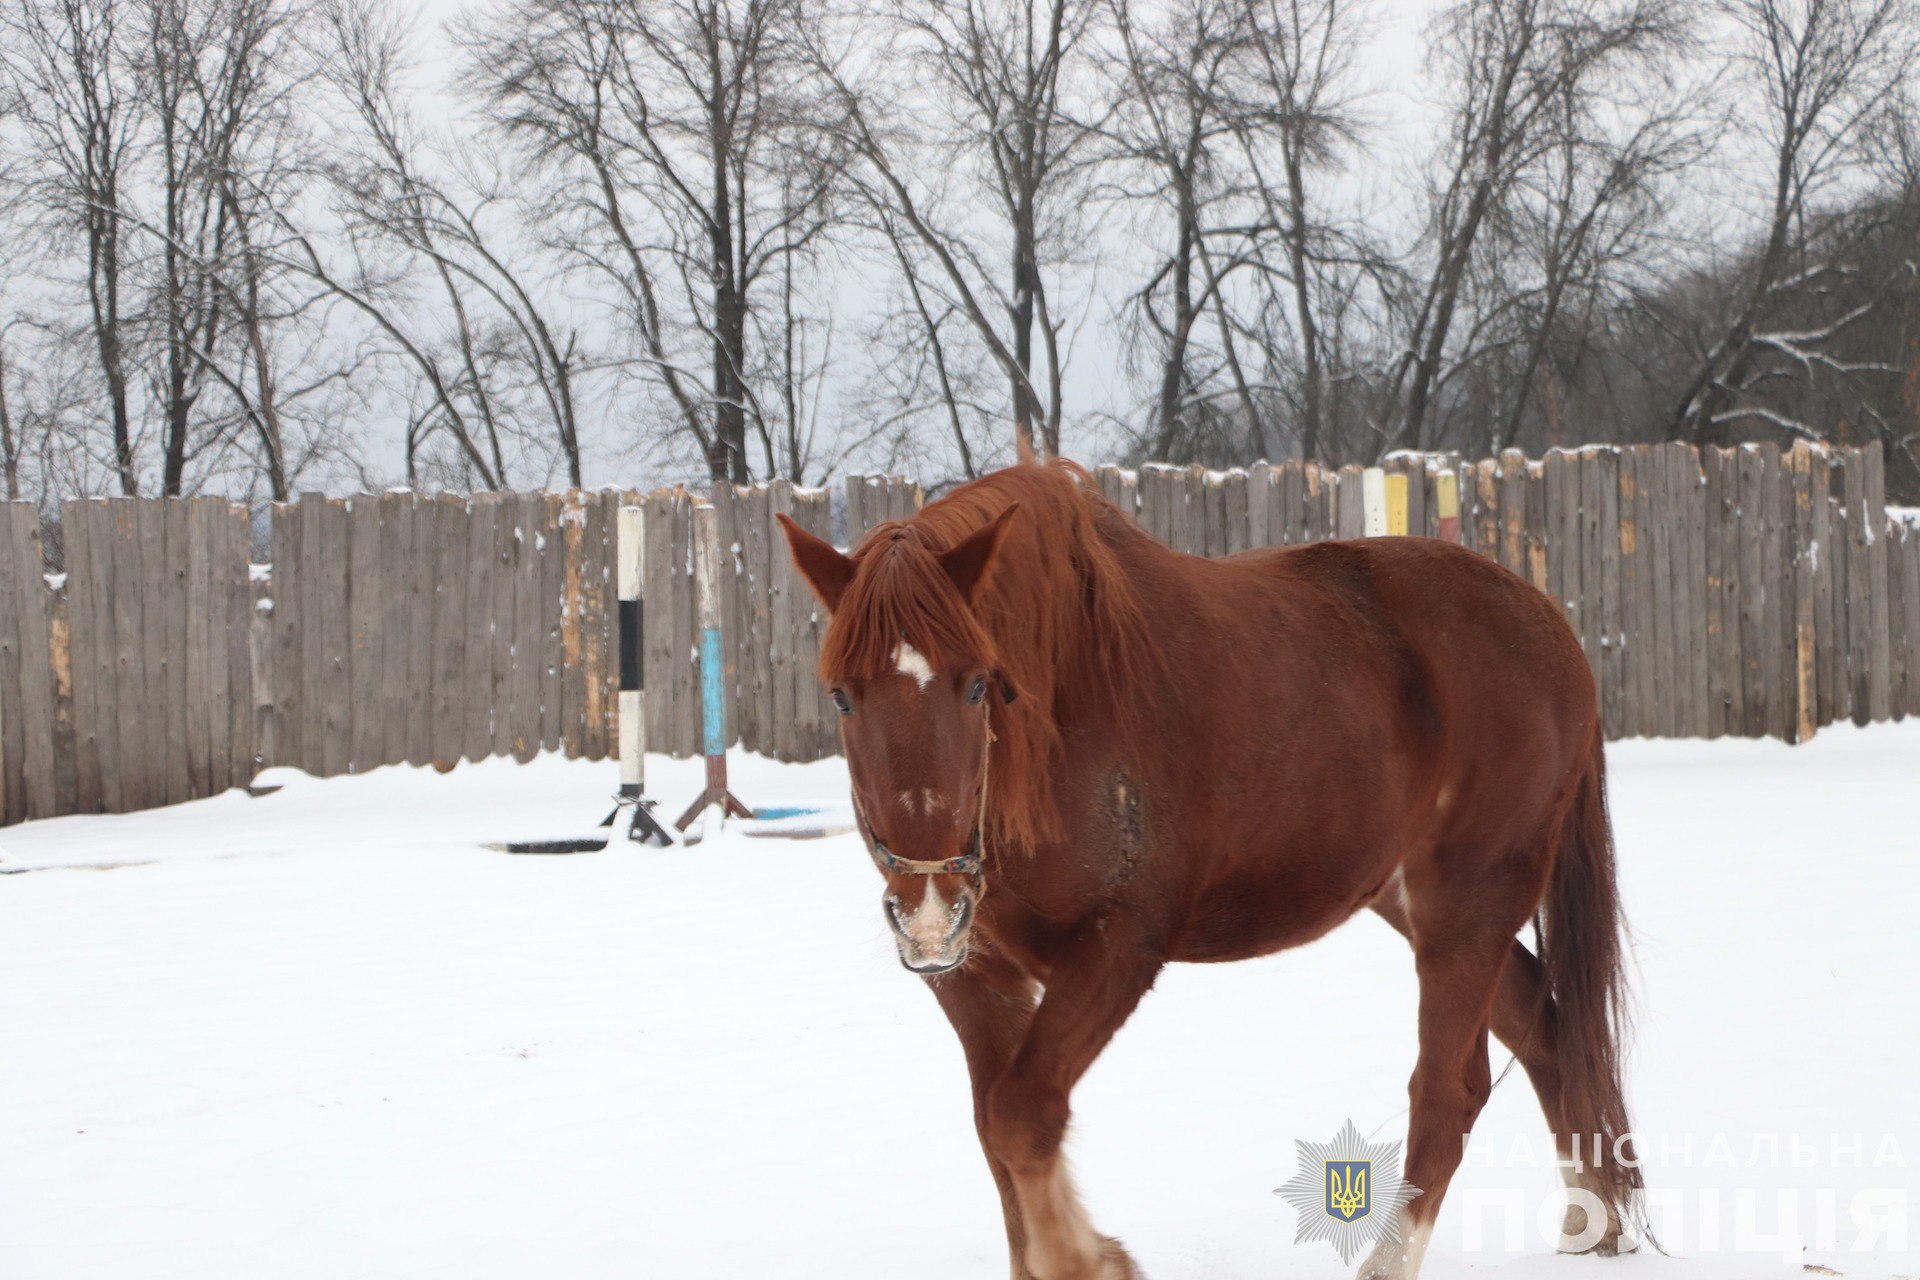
[(1091, 990), (990, 1001)]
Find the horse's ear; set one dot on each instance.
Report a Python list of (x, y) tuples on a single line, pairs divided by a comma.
[(967, 562), (826, 570)]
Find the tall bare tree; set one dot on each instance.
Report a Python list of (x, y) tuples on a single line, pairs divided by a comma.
[(1167, 141), (67, 65), (669, 132), (1511, 66), (1577, 241), (967, 138), (1296, 123), (215, 77), (501, 331), (1819, 72)]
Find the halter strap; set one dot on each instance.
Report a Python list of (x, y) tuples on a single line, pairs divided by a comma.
[(973, 862), (967, 864)]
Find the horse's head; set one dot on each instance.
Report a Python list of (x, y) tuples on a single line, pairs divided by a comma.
[(914, 677)]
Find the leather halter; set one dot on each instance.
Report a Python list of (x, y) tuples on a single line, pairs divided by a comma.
[(973, 862)]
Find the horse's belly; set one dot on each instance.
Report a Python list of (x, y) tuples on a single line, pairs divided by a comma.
[(1242, 919)]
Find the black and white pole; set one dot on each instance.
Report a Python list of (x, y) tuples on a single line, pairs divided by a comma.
[(630, 529), (713, 678)]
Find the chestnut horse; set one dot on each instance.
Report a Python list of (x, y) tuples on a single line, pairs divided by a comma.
[(1077, 755)]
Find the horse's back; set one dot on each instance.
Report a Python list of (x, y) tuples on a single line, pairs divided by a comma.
[(1513, 692)]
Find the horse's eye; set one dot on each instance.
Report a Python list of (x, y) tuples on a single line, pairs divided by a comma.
[(840, 700), (977, 691)]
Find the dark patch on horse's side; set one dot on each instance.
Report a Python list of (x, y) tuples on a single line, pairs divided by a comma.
[(1129, 828)]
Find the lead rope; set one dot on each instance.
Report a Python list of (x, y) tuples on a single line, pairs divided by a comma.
[(980, 825)]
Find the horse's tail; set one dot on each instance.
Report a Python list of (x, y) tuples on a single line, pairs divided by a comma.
[(1583, 953)]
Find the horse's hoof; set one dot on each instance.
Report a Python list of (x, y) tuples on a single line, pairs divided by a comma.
[(1615, 1243), (1611, 1244)]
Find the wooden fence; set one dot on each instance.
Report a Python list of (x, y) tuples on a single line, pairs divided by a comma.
[(386, 629), (1727, 592), (1743, 591)]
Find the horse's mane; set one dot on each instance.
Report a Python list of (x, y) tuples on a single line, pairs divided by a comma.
[(1056, 616)]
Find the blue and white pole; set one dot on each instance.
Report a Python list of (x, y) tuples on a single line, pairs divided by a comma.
[(707, 566)]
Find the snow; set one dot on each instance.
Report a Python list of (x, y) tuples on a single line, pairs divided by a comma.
[(325, 1033)]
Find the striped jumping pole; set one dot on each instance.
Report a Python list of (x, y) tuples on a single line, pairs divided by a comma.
[(713, 673), (630, 541)]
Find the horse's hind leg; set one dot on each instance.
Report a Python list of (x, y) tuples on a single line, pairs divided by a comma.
[(1459, 966), (1524, 1020)]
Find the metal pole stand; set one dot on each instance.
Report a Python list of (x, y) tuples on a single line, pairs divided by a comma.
[(642, 827), (716, 796)]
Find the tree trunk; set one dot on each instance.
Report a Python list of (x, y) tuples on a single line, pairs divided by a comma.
[(1173, 366), (9, 444), (1310, 392), (103, 291)]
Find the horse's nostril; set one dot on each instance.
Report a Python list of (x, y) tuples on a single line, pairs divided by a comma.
[(892, 905)]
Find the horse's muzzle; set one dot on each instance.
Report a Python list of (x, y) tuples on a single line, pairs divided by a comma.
[(931, 936)]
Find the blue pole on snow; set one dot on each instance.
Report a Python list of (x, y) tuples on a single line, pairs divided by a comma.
[(713, 673)]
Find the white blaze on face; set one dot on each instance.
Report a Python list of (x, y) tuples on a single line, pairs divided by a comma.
[(931, 923), (909, 661)]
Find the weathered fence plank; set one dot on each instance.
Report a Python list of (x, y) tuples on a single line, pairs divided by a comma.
[(449, 630), (573, 685), (83, 663), (502, 614), (528, 620), (1799, 542), (1819, 552), (1879, 637), (1897, 592), (1909, 628), (366, 594), (477, 714), (26, 687), (197, 744), (233, 570), (1859, 581)]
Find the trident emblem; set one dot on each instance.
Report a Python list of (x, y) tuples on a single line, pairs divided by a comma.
[(1347, 1188)]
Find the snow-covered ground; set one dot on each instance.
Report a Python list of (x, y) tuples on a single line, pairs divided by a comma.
[(326, 1033)]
